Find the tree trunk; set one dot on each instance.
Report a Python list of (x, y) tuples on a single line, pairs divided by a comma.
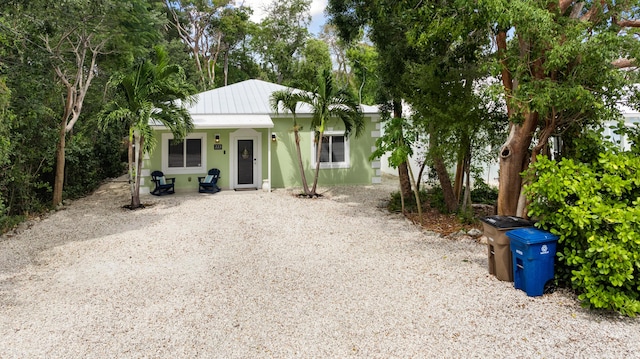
[(135, 196), (466, 201), (457, 184), (317, 171), (405, 181), (420, 174), (417, 196), (226, 67), (514, 156), (403, 171), (130, 162), (445, 183), (303, 177), (60, 163)]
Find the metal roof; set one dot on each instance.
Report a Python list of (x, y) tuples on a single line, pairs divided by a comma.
[(250, 97)]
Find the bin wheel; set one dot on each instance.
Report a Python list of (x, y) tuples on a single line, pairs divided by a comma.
[(549, 287)]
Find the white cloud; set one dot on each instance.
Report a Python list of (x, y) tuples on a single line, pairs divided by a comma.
[(317, 7)]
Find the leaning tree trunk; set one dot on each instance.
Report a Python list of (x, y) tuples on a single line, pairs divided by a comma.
[(514, 156), (445, 182)]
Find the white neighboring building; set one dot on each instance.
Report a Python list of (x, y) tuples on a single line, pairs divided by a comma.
[(631, 119), (491, 169)]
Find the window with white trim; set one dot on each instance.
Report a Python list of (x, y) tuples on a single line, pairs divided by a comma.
[(186, 156), (334, 150)]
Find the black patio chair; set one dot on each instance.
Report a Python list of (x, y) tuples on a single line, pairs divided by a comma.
[(209, 184), (163, 185)]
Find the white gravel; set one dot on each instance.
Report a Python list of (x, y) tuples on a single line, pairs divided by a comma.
[(268, 275)]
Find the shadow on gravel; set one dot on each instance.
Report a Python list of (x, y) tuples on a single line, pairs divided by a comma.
[(97, 215)]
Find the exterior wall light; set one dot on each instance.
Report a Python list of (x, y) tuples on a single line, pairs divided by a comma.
[(273, 137), (217, 138)]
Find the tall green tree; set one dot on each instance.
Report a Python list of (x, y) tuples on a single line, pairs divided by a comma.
[(388, 34), (363, 62), (559, 62), (151, 91), (314, 57), (281, 36), (197, 23), (75, 43), (234, 28)]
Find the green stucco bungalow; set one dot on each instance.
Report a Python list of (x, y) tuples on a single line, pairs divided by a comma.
[(237, 131)]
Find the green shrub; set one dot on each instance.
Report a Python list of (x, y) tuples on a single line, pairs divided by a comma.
[(594, 208), (395, 204), (483, 193)]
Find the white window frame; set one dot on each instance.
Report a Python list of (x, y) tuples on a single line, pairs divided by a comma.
[(184, 170), (331, 165)]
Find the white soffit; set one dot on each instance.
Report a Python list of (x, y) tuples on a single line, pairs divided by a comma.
[(231, 121)]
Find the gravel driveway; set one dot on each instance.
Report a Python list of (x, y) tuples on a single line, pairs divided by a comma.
[(268, 275)]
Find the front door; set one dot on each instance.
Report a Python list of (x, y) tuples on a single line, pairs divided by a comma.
[(246, 161)]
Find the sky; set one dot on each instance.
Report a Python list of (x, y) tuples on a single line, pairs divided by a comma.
[(317, 12)]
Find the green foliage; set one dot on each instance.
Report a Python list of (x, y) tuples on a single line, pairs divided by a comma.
[(595, 210), (426, 198), (314, 57), (483, 193), (363, 59), (92, 159), (6, 118), (281, 36)]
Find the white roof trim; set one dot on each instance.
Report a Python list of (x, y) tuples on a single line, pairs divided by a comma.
[(202, 121)]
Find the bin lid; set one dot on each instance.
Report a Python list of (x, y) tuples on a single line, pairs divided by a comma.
[(506, 221), (531, 235)]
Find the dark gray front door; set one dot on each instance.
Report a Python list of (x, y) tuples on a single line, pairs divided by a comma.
[(245, 162)]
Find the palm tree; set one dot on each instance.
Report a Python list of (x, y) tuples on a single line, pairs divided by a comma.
[(150, 91), (289, 101), (327, 102)]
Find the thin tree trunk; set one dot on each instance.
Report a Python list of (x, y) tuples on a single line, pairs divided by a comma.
[(226, 67), (135, 195), (303, 177), (457, 183), (466, 201), (131, 163), (60, 163), (420, 174), (417, 196), (403, 172), (317, 171)]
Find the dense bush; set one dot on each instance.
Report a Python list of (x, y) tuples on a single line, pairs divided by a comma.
[(595, 210), (483, 193), (395, 204)]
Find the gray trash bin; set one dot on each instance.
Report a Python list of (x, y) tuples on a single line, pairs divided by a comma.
[(498, 249)]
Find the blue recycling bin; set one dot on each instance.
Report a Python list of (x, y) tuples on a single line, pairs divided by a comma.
[(533, 252)]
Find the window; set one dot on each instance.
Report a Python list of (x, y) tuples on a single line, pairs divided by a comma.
[(334, 150), (186, 156)]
